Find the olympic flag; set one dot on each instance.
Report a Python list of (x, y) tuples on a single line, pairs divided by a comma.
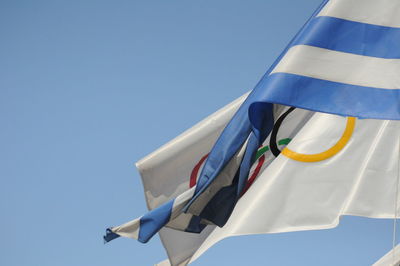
[(217, 178)]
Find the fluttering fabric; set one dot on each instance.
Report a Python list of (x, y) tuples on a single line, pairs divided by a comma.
[(345, 63)]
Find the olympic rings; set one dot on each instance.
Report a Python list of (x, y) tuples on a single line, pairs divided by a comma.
[(273, 147)]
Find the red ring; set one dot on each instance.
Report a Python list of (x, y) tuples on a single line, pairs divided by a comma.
[(255, 174), (193, 175)]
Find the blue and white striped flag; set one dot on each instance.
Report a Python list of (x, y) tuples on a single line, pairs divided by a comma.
[(344, 61)]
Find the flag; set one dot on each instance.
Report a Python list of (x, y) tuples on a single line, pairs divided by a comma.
[(344, 62)]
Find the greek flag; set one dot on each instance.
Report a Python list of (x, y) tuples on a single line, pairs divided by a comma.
[(345, 61)]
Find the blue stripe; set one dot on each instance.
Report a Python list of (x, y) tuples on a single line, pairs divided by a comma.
[(154, 220), (329, 97), (351, 37)]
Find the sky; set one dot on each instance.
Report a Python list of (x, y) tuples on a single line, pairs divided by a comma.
[(89, 87)]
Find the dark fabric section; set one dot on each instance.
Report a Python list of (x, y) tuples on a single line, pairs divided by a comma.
[(110, 235), (195, 225), (220, 207), (248, 160)]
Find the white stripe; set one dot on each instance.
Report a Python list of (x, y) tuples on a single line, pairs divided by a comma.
[(181, 201), (378, 12), (179, 220), (341, 67), (129, 229)]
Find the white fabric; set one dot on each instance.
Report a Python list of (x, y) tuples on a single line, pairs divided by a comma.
[(378, 12), (181, 246), (360, 180), (341, 67), (129, 229)]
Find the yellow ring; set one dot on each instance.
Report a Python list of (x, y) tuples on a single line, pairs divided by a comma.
[(348, 132)]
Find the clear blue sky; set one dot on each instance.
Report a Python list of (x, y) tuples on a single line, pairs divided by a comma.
[(89, 87)]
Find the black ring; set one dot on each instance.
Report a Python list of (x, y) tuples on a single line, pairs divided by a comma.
[(272, 140)]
